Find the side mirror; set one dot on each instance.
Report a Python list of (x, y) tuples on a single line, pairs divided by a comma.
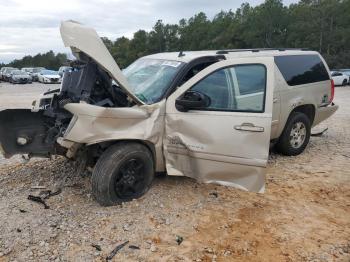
[(192, 100)]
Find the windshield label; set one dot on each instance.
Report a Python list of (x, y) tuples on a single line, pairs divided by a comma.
[(171, 63)]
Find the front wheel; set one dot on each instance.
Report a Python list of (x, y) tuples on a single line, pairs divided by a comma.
[(295, 136), (345, 82), (124, 172)]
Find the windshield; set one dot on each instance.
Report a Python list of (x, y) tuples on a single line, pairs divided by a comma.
[(150, 78), (49, 72), (18, 72), (9, 70)]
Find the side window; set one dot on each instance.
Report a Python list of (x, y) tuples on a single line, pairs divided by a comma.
[(195, 70), (238, 88), (301, 69)]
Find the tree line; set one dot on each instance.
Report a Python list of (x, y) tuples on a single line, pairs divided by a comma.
[(321, 25), (48, 60)]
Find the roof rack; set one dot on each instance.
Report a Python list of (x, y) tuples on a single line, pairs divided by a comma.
[(259, 49)]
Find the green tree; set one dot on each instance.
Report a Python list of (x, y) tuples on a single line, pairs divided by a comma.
[(322, 25), (48, 60)]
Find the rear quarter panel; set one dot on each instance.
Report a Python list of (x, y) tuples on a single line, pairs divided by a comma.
[(294, 96)]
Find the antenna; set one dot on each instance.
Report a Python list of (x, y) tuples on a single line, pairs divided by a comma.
[(181, 54)]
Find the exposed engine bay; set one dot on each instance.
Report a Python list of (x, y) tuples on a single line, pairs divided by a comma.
[(36, 133)]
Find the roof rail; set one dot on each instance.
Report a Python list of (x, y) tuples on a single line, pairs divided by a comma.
[(259, 49)]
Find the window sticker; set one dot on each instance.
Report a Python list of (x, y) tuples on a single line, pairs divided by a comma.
[(171, 63)]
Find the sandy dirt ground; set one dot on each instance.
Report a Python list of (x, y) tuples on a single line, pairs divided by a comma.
[(303, 216)]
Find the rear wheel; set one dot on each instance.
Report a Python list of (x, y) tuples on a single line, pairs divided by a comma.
[(124, 172), (295, 136), (345, 82)]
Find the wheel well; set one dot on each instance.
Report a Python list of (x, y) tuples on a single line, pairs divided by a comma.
[(308, 110), (99, 148)]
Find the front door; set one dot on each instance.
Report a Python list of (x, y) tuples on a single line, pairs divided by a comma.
[(227, 140)]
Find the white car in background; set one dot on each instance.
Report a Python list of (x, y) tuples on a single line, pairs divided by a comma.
[(339, 78), (29, 70), (345, 72), (49, 77), (35, 72)]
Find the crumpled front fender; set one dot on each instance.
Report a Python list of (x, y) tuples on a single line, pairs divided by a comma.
[(94, 124)]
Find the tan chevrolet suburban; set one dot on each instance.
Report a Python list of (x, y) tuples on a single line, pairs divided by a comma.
[(209, 115)]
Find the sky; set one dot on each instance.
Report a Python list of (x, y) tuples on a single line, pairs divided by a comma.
[(28, 27)]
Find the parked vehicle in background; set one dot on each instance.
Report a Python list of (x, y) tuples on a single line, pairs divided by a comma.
[(20, 77), (29, 70), (64, 69), (7, 73), (209, 115), (49, 77), (2, 72), (340, 78), (36, 71), (345, 71)]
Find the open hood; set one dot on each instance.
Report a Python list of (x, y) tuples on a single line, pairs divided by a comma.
[(84, 39)]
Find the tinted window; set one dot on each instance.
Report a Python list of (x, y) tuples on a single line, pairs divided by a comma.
[(236, 88), (301, 69)]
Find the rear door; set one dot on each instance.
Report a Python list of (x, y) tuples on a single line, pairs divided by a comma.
[(228, 141)]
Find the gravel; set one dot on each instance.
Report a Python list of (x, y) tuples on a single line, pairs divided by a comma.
[(302, 216)]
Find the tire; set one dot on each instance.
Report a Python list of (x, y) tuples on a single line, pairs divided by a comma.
[(295, 136), (344, 82), (124, 172)]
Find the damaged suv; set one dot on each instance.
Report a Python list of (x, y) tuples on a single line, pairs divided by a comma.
[(209, 115)]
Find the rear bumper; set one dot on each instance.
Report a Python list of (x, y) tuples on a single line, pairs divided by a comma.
[(322, 113)]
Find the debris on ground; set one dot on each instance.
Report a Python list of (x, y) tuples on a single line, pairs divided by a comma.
[(320, 133), (46, 194), (38, 200), (134, 247), (214, 194), (116, 250), (97, 247), (153, 248), (179, 239), (38, 187)]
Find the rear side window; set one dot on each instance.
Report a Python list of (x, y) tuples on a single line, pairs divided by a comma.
[(301, 69)]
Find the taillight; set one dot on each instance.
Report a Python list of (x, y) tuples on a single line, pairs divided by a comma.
[(332, 92)]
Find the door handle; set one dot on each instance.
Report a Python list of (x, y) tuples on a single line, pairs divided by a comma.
[(249, 127), (275, 100)]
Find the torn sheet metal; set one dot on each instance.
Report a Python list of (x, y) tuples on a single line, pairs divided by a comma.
[(93, 124)]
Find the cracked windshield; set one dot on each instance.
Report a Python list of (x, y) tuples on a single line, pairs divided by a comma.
[(150, 78)]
